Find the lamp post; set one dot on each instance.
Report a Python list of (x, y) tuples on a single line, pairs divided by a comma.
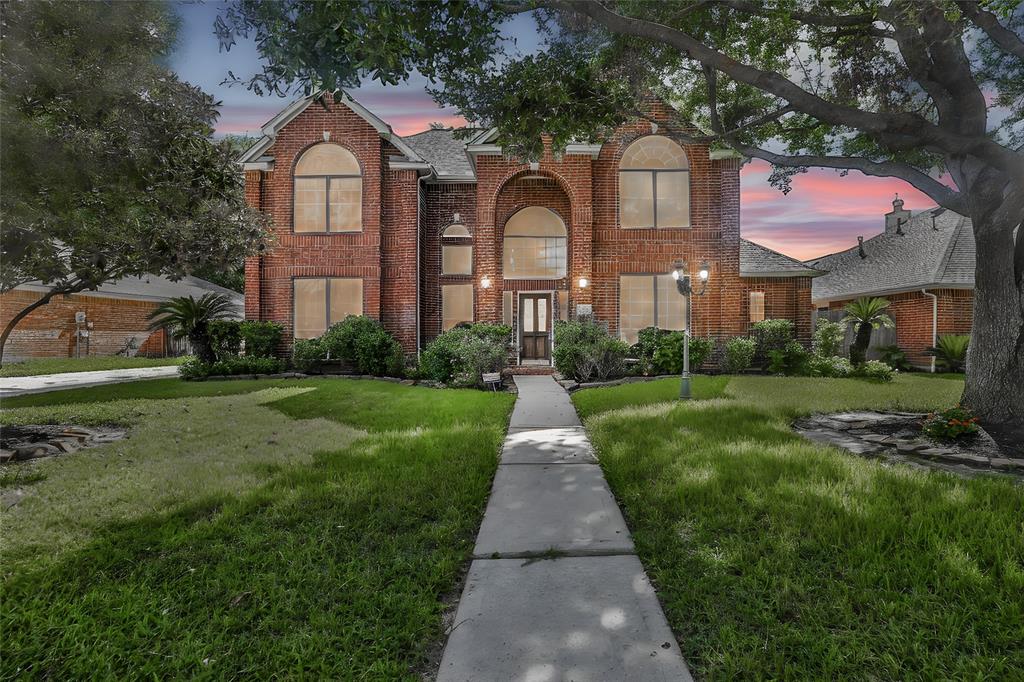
[(681, 274)]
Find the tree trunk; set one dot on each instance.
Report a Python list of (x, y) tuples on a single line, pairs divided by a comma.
[(859, 347), (995, 358), (21, 316), (200, 341)]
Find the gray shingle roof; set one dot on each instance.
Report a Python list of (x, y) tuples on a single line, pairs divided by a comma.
[(760, 261), (156, 288), (444, 151), (923, 256)]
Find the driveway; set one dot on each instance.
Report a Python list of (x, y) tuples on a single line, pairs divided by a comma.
[(13, 386)]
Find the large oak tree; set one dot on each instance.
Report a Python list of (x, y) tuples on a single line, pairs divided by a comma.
[(109, 168), (928, 91)]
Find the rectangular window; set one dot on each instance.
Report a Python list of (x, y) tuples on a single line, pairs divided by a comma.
[(456, 260), (756, 306), (649, 301), (456, 305), (310, 204), (346, 206), (636, 205), (673, 194), (506, 308), (320, 302), (534, 257), (563, 305)]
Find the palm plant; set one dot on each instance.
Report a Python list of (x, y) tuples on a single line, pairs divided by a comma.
[(186, 317), (866, 314), (950, 351)]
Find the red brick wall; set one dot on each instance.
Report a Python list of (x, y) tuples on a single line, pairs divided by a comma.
[(912, 313), (785, 298), (443, 201), (49, 331)]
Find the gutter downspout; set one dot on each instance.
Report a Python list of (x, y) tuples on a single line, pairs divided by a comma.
[(935, 322), (419, 233)]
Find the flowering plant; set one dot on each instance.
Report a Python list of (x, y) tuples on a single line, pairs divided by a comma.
[(951, 424)]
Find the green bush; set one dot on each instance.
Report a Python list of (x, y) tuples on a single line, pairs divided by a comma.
[(584, 351), (771, 335), (739, 353), (460, 356), (364, 342), (644, 348), (873, 369), (950, 351), (791, 360), (225, 338), (828, 338), (829, 366), (260, 338), (668, 358), (307, 354), (193, 368), (894, 357), (951, 424)]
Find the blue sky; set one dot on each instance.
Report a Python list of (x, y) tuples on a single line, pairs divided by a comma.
[(823, 213)]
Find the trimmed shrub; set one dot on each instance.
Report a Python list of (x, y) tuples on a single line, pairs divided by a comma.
[(828, 338), (460, 356), (952, 424), (894, 357), (307, 354), (260, 338), (668, 358), (193, 368), (739, 353), (873, 369), (363, 341), (584, 351), (829, 366), (771, 335), (791, 360), (225, 338)]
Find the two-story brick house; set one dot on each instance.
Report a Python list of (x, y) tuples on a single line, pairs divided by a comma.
[(437, 228)]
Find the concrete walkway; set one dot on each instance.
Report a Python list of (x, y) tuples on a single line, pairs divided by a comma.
[(555, 590), (12, 386)]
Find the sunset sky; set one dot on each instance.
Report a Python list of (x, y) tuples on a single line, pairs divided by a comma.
[(823, 213)]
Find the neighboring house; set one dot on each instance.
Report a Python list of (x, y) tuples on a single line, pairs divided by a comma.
[(437, 228), (923, 264), (113, 320)]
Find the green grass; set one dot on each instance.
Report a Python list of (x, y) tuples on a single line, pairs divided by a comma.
[(778, 558), (42, 366), (302, 528), (593, 400)]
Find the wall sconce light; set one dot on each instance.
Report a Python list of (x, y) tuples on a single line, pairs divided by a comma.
[(485, 282), (584, 282)]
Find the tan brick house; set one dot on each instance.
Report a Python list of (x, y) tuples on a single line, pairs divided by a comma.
[(429, 230), (922, 264)]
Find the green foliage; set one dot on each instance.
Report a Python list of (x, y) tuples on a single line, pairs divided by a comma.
[(668, 356), (460, 356), (874, 369), (894, 357), (828, 338), (364, 342), (225, 338), (952, 424), (739, 353), (829, 366), (791, 360), (865, 314), (771, 335), (261, 338), (194, 368), (584, 351), (109, 165), (186, 317), (307, 354), (950, 351)]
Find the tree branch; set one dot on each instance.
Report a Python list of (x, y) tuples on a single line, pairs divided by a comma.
[(1008, 41), (864, 23)]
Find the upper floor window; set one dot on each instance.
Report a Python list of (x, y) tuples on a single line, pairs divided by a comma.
[(456, 230), (535, 245), (654, 184), (328, 191)]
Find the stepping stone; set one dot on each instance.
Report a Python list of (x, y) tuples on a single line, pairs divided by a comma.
[(547, 446), (577, 618), (560, 507)]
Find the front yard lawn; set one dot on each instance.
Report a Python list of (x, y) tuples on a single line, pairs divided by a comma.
[(282, 529), (42, 366), (778, 558)]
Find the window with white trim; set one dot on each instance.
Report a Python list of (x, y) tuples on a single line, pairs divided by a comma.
[(456, 259), (654, 184), (320, 302), (649, 301), (456, 305), (328, 192), (535, 245)]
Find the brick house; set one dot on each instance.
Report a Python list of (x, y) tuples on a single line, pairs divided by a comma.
[(425, 231), (922, 264), (112, 320)]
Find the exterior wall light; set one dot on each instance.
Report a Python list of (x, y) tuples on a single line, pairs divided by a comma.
[(485, 282), (584, 282), (681, 274)]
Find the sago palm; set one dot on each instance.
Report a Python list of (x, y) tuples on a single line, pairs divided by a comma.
[(866, 314), (186, 317), (950, 351)]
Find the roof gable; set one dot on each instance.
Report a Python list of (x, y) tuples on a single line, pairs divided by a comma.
[(760, 261)]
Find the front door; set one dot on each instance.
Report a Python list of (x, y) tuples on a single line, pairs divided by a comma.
[(535, 323)]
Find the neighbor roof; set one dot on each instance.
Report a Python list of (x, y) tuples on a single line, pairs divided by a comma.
[(445, 151), (936, 249), (760, 261), (154, 288)]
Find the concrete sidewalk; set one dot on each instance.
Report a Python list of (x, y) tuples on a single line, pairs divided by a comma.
[(555, 590), (12, 386)]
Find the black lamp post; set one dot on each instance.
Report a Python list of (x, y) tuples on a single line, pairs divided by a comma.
[(681, 274)]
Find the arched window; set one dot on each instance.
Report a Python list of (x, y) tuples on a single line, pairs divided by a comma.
[(328, 191), (456, 230), (535, 245), (654, 184)]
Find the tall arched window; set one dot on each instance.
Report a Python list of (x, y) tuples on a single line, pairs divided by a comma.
[(535, 245), (654, 184), (328, 191)]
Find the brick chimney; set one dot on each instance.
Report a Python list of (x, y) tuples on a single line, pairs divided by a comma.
[(895, 219)]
